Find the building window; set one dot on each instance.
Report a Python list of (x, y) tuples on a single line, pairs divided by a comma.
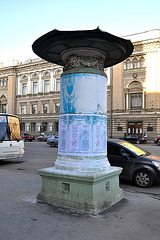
[(46, 86), (4, 108), (34, 109), (35, 87), (33, 127), (56, 126), (128, 64), (4, 82), (136, 101), (58, 84), (57, 108), (24, 77), (45, 108), (23, 109), (23, 127), (24, 88), (44, 126), (142, 62), (35, 75), (135, 63), (46, 74)]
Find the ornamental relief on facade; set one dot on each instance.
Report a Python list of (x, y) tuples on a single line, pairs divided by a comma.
[(135, 85), (131, 84), (83, 61)]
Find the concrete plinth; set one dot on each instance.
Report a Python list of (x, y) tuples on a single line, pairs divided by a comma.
[(88, 193)]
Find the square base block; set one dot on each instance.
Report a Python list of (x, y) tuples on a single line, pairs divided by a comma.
[(83, 193)]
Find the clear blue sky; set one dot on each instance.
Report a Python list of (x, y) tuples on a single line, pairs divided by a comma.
[(23, 21)]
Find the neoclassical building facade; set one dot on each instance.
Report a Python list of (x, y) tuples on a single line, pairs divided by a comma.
[(38, 96), (134, 90), (32, 90)]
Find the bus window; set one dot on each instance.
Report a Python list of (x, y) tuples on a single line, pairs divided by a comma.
[(14, 125), (3, 127)]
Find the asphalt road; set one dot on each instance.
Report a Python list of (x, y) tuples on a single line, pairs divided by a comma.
[(22, 218), (39, 155)]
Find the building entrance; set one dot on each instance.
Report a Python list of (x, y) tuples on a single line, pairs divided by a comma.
[(135, 128)]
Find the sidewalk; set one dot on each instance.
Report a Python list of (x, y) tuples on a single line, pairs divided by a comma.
[(22, 218)]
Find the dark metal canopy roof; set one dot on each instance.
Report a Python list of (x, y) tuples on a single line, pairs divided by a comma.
[(52, 44)]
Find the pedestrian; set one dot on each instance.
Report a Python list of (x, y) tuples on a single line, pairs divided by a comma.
[(145, 135)]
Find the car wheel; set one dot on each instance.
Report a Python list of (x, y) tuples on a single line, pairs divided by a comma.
[(40, 140), (143, 178), (138, 141), (52, 144), (158, 143), (30, 140)]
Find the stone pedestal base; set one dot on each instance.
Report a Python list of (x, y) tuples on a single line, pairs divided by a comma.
[(88, 193)]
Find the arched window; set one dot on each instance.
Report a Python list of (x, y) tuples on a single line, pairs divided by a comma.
[(142, 62), (3, 104), (128, 64), (135, 63), (135, 93)]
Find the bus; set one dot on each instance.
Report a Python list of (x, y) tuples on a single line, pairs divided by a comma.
[(11, 143)]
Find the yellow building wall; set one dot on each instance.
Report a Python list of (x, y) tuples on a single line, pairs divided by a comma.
[(11, 94), (118, 87), (152, 82)]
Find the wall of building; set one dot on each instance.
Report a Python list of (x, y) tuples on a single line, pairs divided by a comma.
[(135, 79)]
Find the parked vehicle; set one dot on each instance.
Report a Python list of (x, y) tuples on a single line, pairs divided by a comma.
[(27, 137), (134, 139), (156, 139), (139, 166), (44, 137), (53, 141), (11, 143), (158, 143)]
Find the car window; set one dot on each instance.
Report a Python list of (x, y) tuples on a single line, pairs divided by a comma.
[(113, 150), (117, 150), (133, 148)]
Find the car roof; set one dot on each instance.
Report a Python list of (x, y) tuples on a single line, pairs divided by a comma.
[(115, 140)]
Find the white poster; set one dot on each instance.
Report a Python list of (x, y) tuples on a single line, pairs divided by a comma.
[(82, 135), (62, 138)]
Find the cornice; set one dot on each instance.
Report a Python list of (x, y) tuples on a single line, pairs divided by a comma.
[(146, 43)]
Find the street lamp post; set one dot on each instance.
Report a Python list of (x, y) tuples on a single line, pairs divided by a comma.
[(82, 177)]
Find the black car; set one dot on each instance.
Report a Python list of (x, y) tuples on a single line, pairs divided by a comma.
[(134, 139), (139, 166)]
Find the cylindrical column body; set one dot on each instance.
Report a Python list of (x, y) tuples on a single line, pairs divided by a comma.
[(82, 144)]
